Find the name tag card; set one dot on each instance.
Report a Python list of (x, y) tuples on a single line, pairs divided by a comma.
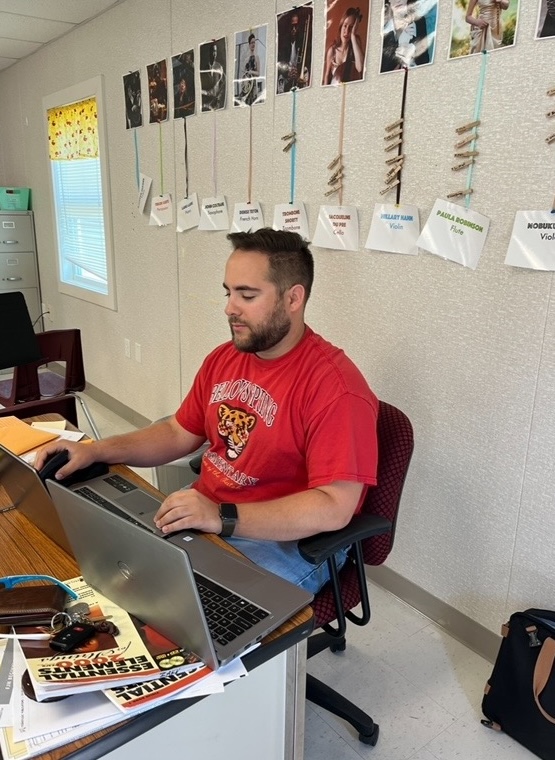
[(161, 210), (144, 189), (291, 217), (247, 217), (337, 228), (532, 243), (213, 214), (394, 229), (188, 214), (454, 233)]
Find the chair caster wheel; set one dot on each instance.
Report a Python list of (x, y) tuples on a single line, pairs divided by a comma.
[(371, 739), (338, 646)]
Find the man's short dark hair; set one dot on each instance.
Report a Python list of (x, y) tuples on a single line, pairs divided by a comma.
[(290, 259), (251, 37)]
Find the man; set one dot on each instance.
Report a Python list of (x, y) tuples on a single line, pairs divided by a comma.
[(295, 52), (290, 420), (213, 82)]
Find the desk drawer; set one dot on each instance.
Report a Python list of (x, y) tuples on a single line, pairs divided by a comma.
[(16, 233), (17, 270)]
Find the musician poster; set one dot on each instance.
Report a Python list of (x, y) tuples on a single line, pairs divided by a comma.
[(249, 84), (158, 91), (213, 67), (133, 101), (408, 34), (294, 49), (183, 66), (346, 38)]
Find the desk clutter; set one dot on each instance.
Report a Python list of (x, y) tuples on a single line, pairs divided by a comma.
[(53, 697)]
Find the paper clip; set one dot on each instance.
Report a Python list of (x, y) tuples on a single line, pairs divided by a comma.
[(551, 91), (466, 127), (333, 190), (466, 140), (393, 135), (393, 125), (334, 162), (388, 188), (393, 145), (289, 145), (549, 114), (550, 139), (458, 193), (462, 165), (467, 154)]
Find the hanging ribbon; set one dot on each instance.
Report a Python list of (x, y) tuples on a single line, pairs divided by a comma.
[(341, 133), (477, 111), (137, 169), (214, 155), (249, 184), (293, 148), (161, 161), (400, 151), (186, 158)]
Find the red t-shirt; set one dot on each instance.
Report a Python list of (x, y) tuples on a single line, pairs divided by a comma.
[(281, 426)]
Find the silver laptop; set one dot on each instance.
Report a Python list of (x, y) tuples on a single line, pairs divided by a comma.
[(28, 494), (162, 583)]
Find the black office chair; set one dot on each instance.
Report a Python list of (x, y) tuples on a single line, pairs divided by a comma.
[(370, 535), (26, 351)]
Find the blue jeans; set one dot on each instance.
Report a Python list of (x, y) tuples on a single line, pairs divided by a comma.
[(283, 559)]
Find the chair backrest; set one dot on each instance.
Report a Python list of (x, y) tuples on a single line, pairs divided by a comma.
[(395, 445), (19, 343), (54, 346), (64, 405)]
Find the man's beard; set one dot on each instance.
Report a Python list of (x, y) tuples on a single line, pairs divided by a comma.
[(266, 335)]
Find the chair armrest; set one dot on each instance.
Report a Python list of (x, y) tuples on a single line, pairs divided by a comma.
[(316, 549)]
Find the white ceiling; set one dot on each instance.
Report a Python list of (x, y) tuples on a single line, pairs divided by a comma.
[(27, 25)]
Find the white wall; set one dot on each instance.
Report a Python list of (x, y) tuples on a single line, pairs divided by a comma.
[(468, 355)]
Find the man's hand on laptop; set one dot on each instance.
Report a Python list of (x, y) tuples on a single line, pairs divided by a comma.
[(188, 509), (80, 455)]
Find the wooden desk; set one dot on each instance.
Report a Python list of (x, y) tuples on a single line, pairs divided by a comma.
[(27, 550)]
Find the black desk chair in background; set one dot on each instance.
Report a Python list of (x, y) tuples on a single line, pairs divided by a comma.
[(26, 351), (370, 535)]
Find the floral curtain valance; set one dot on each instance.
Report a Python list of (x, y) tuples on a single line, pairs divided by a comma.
[(73, 131)]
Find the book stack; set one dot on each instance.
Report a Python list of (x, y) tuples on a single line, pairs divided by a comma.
[(56, 698)]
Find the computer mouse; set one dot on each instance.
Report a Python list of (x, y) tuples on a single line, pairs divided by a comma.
[(58, 460)]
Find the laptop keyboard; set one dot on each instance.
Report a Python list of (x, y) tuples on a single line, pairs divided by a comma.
[(228, 615), (105, 504)]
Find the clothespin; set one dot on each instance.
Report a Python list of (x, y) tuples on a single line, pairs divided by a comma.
[(393, 145), (549, 114), (394, 124), (462, 165), (389, 187), (551, 91), (395, 169), (393, 135), (289, 145), (459, 193), (467, 154), (550, 139), (333, 190), (334, 162), (466, 140), (466, 127), (292, 137), (395, 159)]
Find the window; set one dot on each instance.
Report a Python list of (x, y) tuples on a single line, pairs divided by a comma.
[(80, 192)]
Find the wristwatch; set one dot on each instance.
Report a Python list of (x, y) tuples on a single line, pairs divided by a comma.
[(228, 516)]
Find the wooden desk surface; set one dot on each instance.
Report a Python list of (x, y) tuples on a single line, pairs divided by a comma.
[(26, 550)]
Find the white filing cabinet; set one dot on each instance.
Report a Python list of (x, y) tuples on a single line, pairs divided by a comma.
[(18, 260)]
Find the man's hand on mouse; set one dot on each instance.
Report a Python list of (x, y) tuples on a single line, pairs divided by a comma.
[(80, 455)]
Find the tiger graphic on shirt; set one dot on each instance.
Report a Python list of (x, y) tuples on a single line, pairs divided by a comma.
[(234, 427)]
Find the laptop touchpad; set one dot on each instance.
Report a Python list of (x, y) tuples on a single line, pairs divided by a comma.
[(139, 503)]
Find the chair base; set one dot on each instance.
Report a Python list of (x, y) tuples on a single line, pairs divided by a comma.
[(320, 694)]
